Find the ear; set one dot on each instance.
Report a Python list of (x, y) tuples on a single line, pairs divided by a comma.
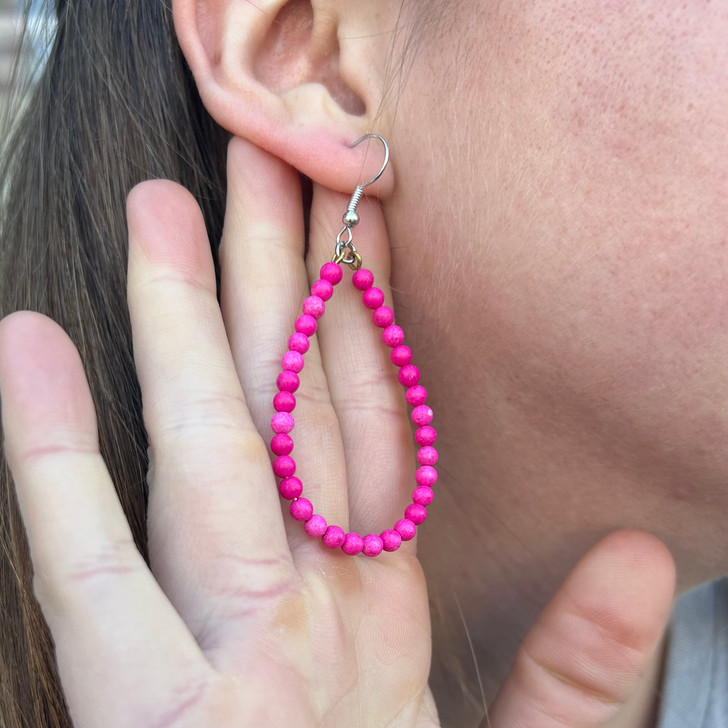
[(301, 79)]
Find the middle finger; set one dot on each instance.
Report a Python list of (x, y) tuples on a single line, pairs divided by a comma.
[(216, 537)]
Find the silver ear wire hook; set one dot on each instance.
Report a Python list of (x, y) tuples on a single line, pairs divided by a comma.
[(350, 218), (386, 156)]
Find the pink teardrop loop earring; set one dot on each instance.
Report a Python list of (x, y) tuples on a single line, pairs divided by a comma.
[(284, 402)]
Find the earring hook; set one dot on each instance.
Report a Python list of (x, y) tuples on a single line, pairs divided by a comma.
[(386, 157), (345, 250), (351, 217)]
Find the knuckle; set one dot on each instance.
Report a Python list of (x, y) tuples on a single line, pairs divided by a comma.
[(88, 576), (171, 276), (193, 480), (217, 412), (244, 589), (594, 659), (536, 671), (51, 453), (373, 410), (200, 462), (186, 701), (245, 584), (611, 636), (379, 398)]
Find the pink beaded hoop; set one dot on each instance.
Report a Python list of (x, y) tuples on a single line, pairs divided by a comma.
[(284, 402), (290, 487)]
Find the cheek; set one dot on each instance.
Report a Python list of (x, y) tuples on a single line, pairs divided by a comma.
[(630, 336), (576, 209)]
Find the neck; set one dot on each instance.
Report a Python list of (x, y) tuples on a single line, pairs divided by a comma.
[(485, 602), (517, 504)]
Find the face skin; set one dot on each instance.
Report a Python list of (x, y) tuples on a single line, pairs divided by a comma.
[(560, 253)]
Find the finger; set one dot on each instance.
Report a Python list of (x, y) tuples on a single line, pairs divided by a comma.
[(365, 391), (263, 284), (580, 663), (216, 537), (120, 645)]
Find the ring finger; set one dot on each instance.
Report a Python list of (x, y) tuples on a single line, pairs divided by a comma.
[(263, 282)]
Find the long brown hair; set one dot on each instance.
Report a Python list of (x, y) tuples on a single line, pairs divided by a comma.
[(114, 104)]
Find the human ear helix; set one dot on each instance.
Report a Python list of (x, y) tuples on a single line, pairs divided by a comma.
[(288, 382)]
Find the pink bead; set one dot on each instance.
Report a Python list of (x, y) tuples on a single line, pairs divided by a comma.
[(373, 298), (383, 317), (408, 376), (323, 289), (301, 509), (416, 513), (422, 415), (288, 381), (422, 494), (282, 422), (353, 543), (281, 444), (331, 272), (290, 488), (401, 355), (314, 306), (391, 539), (372, 545), (292, 361), (425, 435), (306, 324), (334, 536), (427, 455), (363, 279), (284, 466), (406, 529), (284, 402), (393, 336), (316, 526), (416, 395), (299, 342), (426, 475)]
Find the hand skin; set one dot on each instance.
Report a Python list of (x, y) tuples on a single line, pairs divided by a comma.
[(242, 619)]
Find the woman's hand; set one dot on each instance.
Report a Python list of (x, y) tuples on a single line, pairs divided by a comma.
[(244, 620)]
